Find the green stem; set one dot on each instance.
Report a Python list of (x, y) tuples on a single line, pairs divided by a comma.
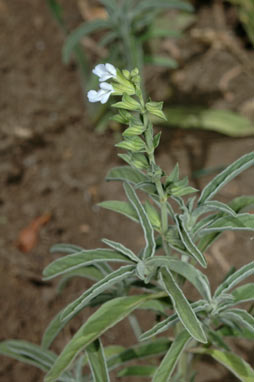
[(157, 178)]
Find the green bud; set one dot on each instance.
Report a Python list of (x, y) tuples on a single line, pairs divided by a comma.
[(123, 85), (126, 74), (155, 108), (134, 72), (134, 144), (136, 128), (128, 103)]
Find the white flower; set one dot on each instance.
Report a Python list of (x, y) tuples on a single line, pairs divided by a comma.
[(102, 95), (105, 72)]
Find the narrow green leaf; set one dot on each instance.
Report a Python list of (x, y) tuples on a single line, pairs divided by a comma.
[(97, 362), (215, 205), (216, 338), (123, 208), (127, 174), (153, 214), (188, 243), (240, 368), (223, 121), (243, 293), (77, 260), (66, 248), (122, 249), (182, 306), (188, 271), (104, 318), (83, 30), (163, 61), (138, 371), (134, 144), (240, 317), (91, 272), (170, 321), (116, 276), (241, 274), (139, 351), (144, 220), (31, 354), (243, 222), (226, 176), (169, 362)]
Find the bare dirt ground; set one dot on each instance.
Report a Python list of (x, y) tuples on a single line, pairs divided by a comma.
[(52, 161)]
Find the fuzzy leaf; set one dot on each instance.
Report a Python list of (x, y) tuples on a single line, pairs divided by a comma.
[(169, 362), (116, 276), (170, 321), (126, 174), (240, 368), (139, 371), (83, 30), (122, 249), (188, 243), (97, 362), (243, 293), (226, 176), (144, 220), (243, 222), (188, 271), (104, 318), (77, 260), (182, 306), (124, 208), (241, 274)]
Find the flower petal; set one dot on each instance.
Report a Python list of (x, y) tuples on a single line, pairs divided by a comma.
[(111, 69), (106, 86), (93, 96), (99, 70)]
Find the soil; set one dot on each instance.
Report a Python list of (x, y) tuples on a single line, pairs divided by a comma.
[(52, 161)]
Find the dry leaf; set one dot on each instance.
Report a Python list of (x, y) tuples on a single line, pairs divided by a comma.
[(28, 237)]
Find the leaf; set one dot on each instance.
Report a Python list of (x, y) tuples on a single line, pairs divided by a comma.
[(77, 260), (241, 274), (222, 207), (182, 306), (134, 144), (57, 11), (165, 62), (126, 174), (168, 364), (223, 121), (66, 248), (188, 271), (97, 362), (243, 222), (91, 272), (139, 371), (31, 354), (147, 5), (83, 30), (108, 315), (77, 305), (243, 293), (122, 249), (124, 208), (170, 321), (240, 317), (139, 351), (240, 368), (186, 239), (153, 214), (226, 176), (143, 219)]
